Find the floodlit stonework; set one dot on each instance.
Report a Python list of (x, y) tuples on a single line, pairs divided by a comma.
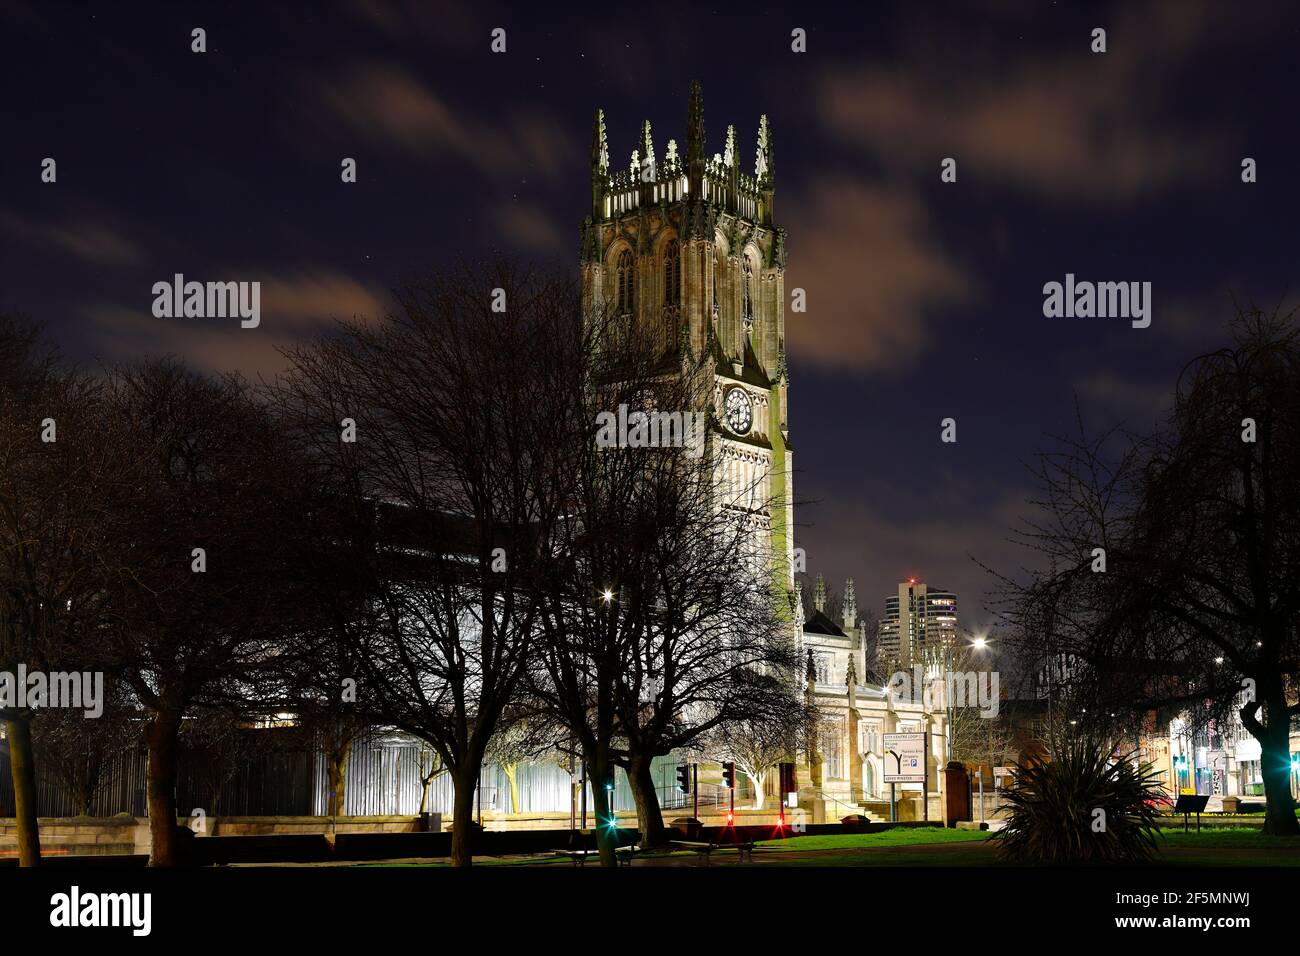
[(689, 244)]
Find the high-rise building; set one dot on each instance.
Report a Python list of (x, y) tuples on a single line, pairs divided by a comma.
[(918, 618), (687, 244)]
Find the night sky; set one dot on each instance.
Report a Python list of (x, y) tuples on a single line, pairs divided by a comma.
[(925, 299)]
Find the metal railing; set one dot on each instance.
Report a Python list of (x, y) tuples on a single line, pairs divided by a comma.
[(711, 795), (818, 792)]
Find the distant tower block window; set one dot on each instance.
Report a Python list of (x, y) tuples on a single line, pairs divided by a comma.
[(626, 283), (672, 275)]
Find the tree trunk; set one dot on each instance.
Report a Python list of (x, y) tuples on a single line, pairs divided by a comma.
[(161, 736), (648, 814), (757, 780), (1274, 746), (600, 769), (426, 779), (463, 827), (512, 775), (18, 729), (337, 770)]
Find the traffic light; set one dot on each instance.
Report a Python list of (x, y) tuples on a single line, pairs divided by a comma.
[(729, 775), (684, 778)]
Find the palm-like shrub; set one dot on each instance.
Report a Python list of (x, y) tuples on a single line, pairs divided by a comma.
[(1053, 808)]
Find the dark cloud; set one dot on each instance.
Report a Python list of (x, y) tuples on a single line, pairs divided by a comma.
[(89, 241), (294, 305), (1064, 123), (391, 106), (873, 271)]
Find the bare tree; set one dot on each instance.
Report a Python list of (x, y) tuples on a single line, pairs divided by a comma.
[(758, 743), (455, 404), (523, 736), (213, 744), (202, 589), (337, 540), (58, 460), (429, 766), (661, 623), (83, 754), (1170, 575)]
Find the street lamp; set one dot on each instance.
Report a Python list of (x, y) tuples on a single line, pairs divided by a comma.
[(948, 647)]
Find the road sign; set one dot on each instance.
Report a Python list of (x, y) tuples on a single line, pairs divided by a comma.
[(904, 758)]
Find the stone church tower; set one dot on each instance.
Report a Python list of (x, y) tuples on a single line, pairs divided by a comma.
[(689, 243)]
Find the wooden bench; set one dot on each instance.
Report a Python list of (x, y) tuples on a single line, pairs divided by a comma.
[(622, 855), (706, 848)]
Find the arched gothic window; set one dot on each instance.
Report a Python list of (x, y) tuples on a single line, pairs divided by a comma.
[(626, 283), (672, 274), (747, 304), (717, 278)]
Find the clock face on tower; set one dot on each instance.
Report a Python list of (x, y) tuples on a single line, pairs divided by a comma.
[(738, 409)]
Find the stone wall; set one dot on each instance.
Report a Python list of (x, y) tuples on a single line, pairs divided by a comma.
[(125, 834)]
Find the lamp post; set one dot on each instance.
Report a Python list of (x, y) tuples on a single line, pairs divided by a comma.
[(978, 643)]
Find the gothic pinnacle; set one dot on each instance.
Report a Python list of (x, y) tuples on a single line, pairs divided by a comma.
[(763, 162), (695, 125), (647, 144), (599, 146)]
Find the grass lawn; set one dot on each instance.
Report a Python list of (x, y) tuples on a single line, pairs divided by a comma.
[(887, 839), (1226, 837), (1227, 846), (903, 836), (935, 846), (1218, 846)]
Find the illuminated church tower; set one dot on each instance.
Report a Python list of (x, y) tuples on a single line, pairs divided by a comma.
[(689, 243)]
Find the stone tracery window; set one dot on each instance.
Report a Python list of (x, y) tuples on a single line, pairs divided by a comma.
[(626, 283), (672, 274), (832, 744), (717, 278), (747, 302)]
